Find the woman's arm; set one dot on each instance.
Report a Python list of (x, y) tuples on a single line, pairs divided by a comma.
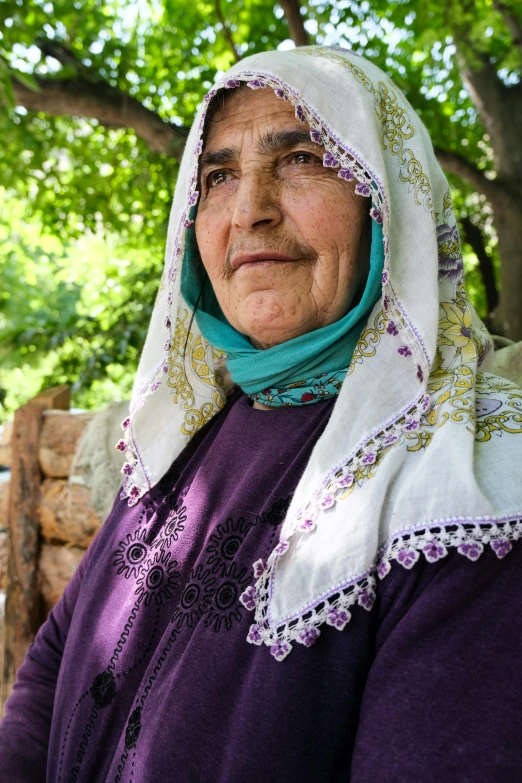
[(24, 731), (443, 698)]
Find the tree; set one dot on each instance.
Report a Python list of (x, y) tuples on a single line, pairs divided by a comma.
[(98, 96)]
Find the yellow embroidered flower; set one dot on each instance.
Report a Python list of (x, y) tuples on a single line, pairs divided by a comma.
[(456, 330)]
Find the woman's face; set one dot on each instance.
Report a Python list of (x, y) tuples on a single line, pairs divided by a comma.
[(281, 236)]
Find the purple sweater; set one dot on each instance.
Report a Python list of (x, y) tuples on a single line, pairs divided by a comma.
[(142, 672)]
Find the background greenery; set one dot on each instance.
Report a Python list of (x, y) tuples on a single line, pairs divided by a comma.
[(96, 101)]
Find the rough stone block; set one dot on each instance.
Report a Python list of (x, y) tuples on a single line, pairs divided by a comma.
[(65, 513), (59, 438)]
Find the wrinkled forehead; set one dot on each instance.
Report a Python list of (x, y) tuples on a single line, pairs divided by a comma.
[(241, 106)]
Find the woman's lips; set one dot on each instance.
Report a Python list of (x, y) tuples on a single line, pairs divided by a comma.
[(258, 259)]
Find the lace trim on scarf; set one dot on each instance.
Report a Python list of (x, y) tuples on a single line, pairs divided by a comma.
[(433, 540)]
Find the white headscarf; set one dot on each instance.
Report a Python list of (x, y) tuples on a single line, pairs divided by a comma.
[(422, 451)]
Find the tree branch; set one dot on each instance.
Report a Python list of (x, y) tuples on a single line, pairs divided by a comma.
[(295, 22), (511, 22), (462, 167), (104, 103), (226, 30)]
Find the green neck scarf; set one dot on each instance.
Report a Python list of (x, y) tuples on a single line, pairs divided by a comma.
[(324, 351)]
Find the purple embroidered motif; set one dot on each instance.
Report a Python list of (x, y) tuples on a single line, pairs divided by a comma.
[(383, 568), (434, 550), (404, 351), (362, 189), (134, 495), (407, 557), (256, 84), (308, 636), (155, 386), (376, 215), (346, 481), (254, 635), (165, 368), (307, 526), (316, 136), (259, 568), (392, 329), (472, 550), (501, 547), (369, 458), (346, 174), (127, 469), (280, 650), (168, 322), (231, 83), (248, 598), (125, 423), (199, 148), (330, 161), (426, 402), (299, 113), (411, 424), (385, 277), (121, 446), (328, 501), (282, 547), (366, 599), (188, 223), (280, 93), (338, 618), (386, 302), (420, 374), (390, 439), (194, 198)]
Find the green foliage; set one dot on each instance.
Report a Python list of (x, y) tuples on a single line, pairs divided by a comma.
[(70, 313), (85, 207)]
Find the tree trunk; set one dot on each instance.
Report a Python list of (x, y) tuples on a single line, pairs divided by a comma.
[(507, 318)]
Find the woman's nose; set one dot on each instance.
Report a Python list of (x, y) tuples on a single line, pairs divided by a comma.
[(257, 202)]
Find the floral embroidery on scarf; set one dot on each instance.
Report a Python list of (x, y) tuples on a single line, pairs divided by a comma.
[(396, 126), (187, 348), (451, 265), (324, 387)]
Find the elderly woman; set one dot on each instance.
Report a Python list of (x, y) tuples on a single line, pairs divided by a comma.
[(313, 570)]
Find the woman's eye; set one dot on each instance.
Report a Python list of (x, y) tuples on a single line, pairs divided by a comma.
[(216, 178), (303, 157)]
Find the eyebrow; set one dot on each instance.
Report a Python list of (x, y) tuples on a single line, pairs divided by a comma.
[(272, 141)]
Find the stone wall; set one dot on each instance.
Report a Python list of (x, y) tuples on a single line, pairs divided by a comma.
[(67, 520)]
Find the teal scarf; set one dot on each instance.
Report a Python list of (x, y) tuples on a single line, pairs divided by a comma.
[(324, 352)]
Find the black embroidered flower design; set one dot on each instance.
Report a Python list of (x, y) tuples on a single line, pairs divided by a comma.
[(196, 598), (277, 513), (131, 554), (158, 579), (103, 689), (133, 729), (226, 608), (173, 526), (226, 541)]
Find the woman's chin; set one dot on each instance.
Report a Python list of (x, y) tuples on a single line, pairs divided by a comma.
[(272, 334)]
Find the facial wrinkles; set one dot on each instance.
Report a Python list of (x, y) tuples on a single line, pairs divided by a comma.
[(303, 211)]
